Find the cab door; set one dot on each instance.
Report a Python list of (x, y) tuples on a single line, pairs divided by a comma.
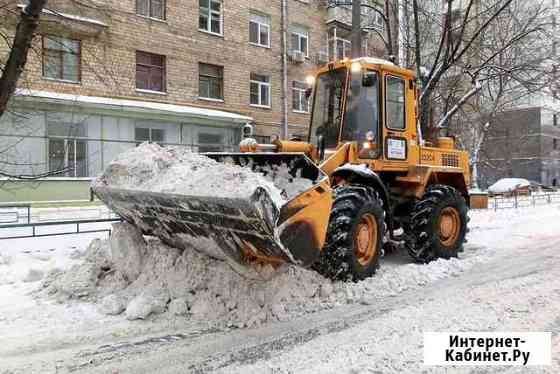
[(396, 138)]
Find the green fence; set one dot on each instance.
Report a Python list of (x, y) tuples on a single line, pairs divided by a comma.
[(47, 190)]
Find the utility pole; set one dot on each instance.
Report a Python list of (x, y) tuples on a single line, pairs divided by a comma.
[(356, 28)]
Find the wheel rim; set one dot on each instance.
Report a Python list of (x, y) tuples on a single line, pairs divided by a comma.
[(365, 239), (449, 226)]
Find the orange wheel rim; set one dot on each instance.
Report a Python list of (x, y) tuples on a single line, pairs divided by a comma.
[(365, 239), (449, 226)]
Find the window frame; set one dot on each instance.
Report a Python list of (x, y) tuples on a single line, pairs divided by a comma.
[(378, 21), (403, 80), (221, 69), (301, 91), (260, 85), (150, 66), (150, 136), (149, 15), (69, 139), (259, 25), (210, 147), (346, 48), (44, 50), (301, 35), (208, 15)]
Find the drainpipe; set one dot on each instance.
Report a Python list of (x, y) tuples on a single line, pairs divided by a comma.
[(284, 21)]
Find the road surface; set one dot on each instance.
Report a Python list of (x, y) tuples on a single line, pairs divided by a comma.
[(517, 288)]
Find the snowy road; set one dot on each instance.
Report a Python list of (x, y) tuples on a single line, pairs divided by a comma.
[(511, 283)]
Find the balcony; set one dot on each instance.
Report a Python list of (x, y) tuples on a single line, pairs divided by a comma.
[(341, 15), (82, 21)]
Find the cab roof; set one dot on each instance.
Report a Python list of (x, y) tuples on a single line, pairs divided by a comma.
[(382, 63)]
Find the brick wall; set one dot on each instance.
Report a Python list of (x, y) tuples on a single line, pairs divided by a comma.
[(108, 54)]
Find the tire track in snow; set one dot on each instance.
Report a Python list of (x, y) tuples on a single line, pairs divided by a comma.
[(219, 350)]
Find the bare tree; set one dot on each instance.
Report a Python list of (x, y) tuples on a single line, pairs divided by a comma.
[(518, 71), (18, 43), (460, 36), (15, 65)]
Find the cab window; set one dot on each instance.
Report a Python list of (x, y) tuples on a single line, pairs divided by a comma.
[(362, 109), (394, 105)]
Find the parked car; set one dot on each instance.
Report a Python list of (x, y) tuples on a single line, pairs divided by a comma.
[(510, 186)]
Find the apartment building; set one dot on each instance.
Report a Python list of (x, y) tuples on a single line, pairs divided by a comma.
[(523, 143), (104, 76)]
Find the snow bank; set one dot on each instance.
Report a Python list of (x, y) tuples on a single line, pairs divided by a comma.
[(508, 185), (162, 279), (181, 282)]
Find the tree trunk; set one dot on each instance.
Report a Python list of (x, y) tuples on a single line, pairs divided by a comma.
[(428, 132), (356, 28), (18, 54)]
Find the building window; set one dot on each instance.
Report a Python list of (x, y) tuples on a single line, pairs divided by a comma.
[(210, 142), (300, 102), (148, 134), (66, 152), (377, 18), (210, 16), (61, 58), (262, 139), (300, 40), (210, 81), (555, 119), (259, 30), (150, 72), (343, 48), (554, 144), (260, 90), (151, 8), (396, 113)]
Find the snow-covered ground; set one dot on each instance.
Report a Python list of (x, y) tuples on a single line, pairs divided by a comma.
[(506, 279)]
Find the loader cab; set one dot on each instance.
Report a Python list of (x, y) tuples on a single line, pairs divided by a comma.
[(364, 101)]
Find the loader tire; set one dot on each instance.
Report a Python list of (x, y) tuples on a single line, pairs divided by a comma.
[(438, 225), (354, 235)]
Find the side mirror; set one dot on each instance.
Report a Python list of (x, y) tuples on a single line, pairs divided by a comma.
[(247, 130), (369, 79), (308, 92)]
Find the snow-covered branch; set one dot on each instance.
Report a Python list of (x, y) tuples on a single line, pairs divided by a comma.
[(477, 87)]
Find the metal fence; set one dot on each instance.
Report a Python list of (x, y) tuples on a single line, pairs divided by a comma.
[(523, 201), (19, 221), (86, 156)]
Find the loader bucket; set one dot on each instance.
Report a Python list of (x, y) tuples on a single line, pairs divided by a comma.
[(241, 231)]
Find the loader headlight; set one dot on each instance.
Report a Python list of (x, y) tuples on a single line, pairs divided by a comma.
[(356, 67), (310, 80), (247, 130), (368, 148)]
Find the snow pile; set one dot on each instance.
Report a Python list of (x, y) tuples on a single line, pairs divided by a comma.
[(150, 167), (280, 176), (505, 185), (128, 274), (140, 278)]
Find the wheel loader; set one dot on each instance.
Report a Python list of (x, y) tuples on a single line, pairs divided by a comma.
[(374, 183)]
